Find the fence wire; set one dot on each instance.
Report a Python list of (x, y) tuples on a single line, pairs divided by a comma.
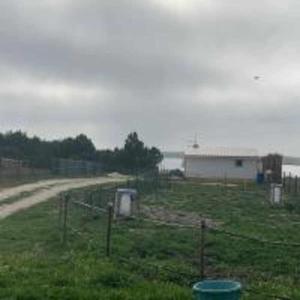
[(93, 204)]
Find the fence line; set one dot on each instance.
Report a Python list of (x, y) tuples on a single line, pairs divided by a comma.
[(222, 231), (95, 208), (65, 214), (109, 227), (256, 239), (290, 184), (202, 230), (162, 223), (178, 225)]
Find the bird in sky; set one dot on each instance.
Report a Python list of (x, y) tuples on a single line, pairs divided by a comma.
[(256, 77)]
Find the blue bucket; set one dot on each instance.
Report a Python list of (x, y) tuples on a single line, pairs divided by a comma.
[(217, 290)]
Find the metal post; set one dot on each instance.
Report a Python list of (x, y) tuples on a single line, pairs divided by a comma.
[(108, 235), (290, 183), (202, 250), (60, 210), (66, 205)]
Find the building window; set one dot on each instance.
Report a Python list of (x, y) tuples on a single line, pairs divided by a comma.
[(238, 163)]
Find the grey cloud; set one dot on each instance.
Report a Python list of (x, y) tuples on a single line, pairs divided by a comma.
[(135, 52), (165, 75)]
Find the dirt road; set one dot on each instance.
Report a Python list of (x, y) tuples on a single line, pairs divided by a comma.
[(45, 190), (30, 187)]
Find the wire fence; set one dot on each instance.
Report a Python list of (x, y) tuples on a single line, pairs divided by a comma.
[(290, 184), (77, 209)]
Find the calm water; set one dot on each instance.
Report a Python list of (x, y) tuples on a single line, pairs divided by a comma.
[(294, 170), (177, 163), (171, 164)]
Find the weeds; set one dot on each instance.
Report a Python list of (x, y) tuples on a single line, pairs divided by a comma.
[(149, 261)]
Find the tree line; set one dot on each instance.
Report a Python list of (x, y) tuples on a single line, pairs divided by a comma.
[(133, 157)]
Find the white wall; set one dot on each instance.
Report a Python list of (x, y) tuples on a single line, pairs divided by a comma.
[(220, 167)]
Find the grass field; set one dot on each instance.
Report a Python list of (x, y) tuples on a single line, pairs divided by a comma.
[(152, 261)]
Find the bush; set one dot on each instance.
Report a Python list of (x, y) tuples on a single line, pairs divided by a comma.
[(176, 173)]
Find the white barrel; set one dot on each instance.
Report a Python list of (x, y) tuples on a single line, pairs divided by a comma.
[(125, 205), (276, 193), (125, 202)]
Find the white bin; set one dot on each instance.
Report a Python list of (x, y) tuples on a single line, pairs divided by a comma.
[(125, 202), (276, 193)]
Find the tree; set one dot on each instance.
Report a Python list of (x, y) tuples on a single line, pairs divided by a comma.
[(40, 153), (78, 148), (133, 157), (155, 157), (137, 157), (84, 147)]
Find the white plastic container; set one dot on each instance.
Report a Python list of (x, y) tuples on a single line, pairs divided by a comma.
[(125, 202), (125, 205), (276, 194)]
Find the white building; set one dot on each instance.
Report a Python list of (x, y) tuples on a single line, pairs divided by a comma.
[(217, 163)]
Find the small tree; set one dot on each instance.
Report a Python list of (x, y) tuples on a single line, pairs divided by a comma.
[(136, 157)]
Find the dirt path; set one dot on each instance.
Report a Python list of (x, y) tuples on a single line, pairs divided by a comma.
[(52, 189), (30, 187)]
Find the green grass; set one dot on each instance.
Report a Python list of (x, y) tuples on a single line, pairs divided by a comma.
[(150, 261), (249, 213), (34, 264)]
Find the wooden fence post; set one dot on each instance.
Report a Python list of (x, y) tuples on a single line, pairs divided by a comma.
[(284, 181), (108, 233), (60, 210), (202, 250), (66, 206)]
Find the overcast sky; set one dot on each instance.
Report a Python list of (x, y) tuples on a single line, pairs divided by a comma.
[(165, 68)]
